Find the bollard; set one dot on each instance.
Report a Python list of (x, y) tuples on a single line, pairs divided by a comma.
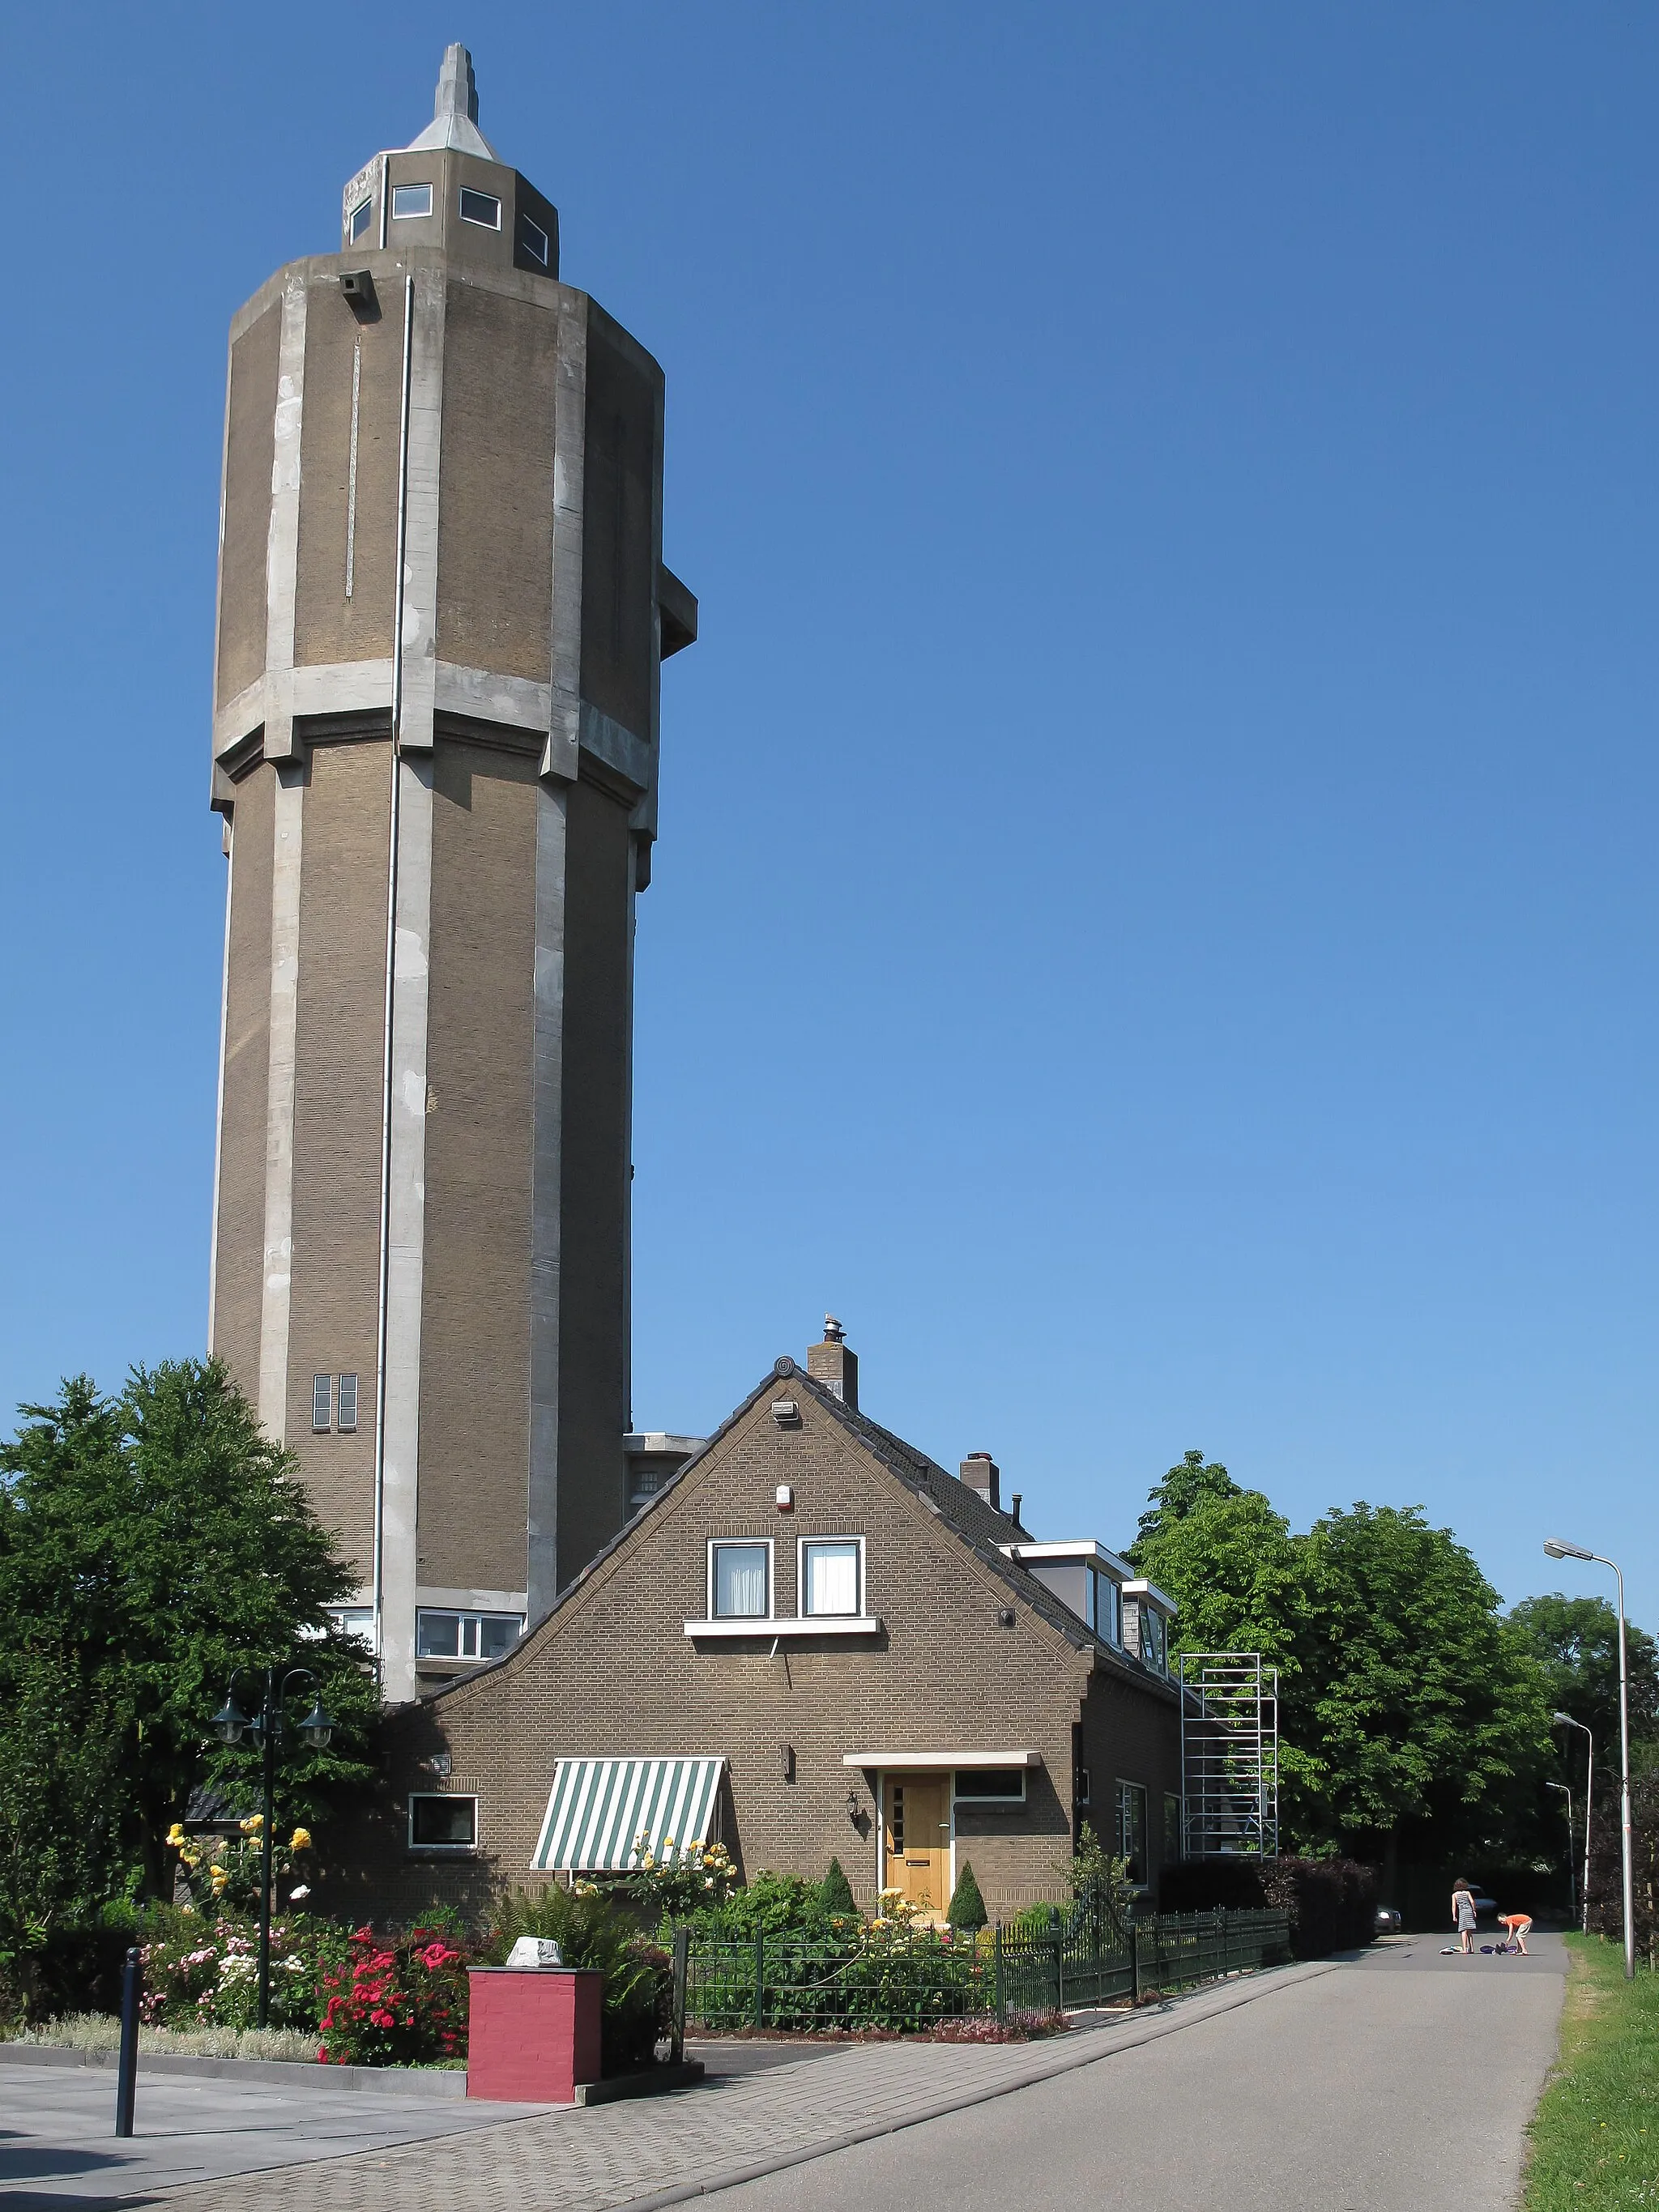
[(681, 1974), (126, 2078)]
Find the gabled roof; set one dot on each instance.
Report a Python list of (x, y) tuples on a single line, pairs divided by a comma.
[(970, 1520)]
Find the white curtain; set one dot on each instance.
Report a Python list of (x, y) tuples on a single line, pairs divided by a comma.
[(740, 1580), (832, 1578)]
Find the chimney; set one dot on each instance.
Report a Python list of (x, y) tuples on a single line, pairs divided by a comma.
[(831, 1364), (981, 1472)]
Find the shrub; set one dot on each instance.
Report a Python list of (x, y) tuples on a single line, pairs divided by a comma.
[(201, 1973), (224, 1872), (779, 1904), (679, 1878), (597, 1931), (400, 2001), (835, 1892), (966, 1908), (1331, 1903)]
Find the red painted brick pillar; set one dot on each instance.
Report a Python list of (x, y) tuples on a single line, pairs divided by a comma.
[(533, 2034)]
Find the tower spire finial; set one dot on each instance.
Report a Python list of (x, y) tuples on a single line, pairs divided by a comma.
[(455, 109)]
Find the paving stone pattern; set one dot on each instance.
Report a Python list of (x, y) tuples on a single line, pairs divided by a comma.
[(662, 2150)]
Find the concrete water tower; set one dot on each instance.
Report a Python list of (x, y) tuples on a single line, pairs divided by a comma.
[(442, 615)]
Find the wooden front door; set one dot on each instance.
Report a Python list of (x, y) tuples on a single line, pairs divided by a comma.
[(919, 1839)]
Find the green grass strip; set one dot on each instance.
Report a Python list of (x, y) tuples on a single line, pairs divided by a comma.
[(1594, 2137)]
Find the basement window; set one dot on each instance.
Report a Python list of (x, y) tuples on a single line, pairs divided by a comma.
[(535, 242), (442, 1823), (465, 1635), (411, 199), (482, 208), (357, 221), (322, 1388)]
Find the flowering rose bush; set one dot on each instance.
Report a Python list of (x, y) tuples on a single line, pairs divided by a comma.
[(680, 1877), (202, 1973), (396, 2001), (225, 1871)]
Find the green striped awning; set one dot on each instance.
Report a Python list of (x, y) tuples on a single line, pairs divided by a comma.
[(602, 1811)]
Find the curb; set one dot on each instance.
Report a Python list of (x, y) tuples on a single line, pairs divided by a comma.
[(424, 2082), (1169, 2020)]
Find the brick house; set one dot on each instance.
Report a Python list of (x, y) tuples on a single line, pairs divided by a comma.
[(812, 1641)]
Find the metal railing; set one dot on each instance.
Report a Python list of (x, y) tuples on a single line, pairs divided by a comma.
[(907, 1979)]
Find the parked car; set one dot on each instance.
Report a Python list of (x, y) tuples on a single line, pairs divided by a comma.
[(1387, 1920)]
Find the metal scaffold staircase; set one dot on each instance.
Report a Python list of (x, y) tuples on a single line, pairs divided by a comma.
[(1229, 1755)]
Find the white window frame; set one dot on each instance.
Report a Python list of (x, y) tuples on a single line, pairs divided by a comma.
[(357, 221), (531, 231), (345, 1427), (410, 215), (860, 1610), (471, 192), (463, 1614), (326, 1400), (444, 1797), (960, 1797), (746, 1543)]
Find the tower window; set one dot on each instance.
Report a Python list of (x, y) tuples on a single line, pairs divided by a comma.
[(482, 208), (534, 240), (411, 199), (347, 1402), (357, 221), (321, 1390)]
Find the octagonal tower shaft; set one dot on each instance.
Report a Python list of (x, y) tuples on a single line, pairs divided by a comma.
[(442, 612)]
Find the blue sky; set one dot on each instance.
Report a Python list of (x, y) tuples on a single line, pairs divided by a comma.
[(1153, 921)]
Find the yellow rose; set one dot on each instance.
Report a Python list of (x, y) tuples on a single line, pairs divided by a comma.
[(299, 1840), (176, 1835)]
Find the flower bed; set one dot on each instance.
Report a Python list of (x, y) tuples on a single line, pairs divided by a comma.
[(400, 2001)]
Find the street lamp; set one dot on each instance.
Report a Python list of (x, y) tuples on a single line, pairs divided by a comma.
[(1566, 1720), (1567, 1794), (230, 1724), (1558, 1548)]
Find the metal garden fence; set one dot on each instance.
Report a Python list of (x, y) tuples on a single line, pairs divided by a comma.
[(911, 1978)]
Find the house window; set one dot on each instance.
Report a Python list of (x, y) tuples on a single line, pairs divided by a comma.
[(482, 208), (1108, 1609), (321, 1388), (739, 1582), (346, 1402), (990, 1785), (357, 221), (1172, 1838), (465, 1635), (1154, 1642), (830, 1574), (1132, 1828), (442, 1823), (534, 240), (411, 199), (354, 1620)]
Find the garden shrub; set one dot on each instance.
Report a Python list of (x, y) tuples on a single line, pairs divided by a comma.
[(835, 1892), (202, 1972), (398, 2000), (1331, 1903), (967, 1907), (597, 1931)]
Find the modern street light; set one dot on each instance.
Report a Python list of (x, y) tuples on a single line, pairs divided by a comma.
[(1566, 1720), (1567, 1794), (230, 1724), (1558, 1548)]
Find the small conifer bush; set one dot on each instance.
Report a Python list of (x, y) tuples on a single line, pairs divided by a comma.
[(966, 1906), (836, 1892)]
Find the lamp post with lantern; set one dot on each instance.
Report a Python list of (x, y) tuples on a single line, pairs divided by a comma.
[(268, 1726)]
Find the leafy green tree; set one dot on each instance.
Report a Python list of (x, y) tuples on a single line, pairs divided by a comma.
[(150, 1545), (1422, 1703), (1184, 1489), (1233, 1567), (1576, 1641)]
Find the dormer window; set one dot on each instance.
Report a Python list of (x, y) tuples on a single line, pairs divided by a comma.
[(482, 208), (1154, 1646), (535, 241), (411, 200), (357, 221)]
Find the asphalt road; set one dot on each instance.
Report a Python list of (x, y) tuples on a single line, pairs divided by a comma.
[(1402, 2082)]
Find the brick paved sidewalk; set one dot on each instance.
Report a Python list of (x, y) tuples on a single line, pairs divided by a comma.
[(662, 2150)]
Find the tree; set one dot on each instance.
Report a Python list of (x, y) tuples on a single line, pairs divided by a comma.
[(149, 1545), (1234, 1569), (1576, 1641), (835, 1892), (1424, 1705), (1184, 1489), (967, 1907)]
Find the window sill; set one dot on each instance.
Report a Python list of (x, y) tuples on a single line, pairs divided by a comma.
[(812, 1623)]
